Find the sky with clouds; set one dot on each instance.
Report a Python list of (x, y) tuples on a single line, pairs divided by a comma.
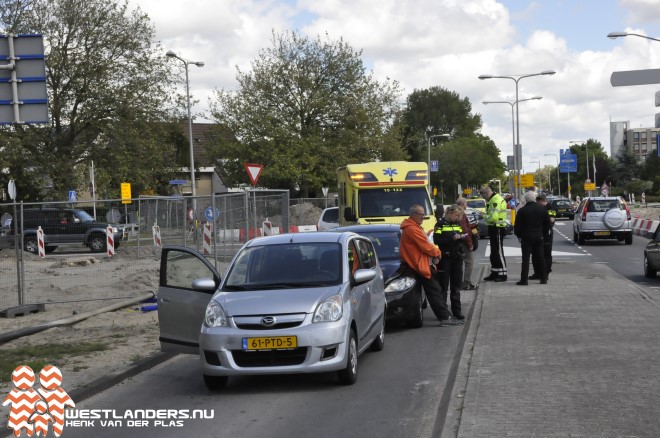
[(449, 43)]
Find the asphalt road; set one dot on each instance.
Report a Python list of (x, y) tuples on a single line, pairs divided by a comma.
[(399, 393)]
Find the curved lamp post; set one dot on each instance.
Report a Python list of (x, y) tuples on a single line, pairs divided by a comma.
[(558, 181), (428, 161), (615, 35), (513, 128), (186, 63), (516, 79)]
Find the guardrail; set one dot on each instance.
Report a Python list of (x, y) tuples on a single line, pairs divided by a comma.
[(644, 227)]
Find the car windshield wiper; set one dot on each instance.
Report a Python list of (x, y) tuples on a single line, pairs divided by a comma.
[(236, 287)]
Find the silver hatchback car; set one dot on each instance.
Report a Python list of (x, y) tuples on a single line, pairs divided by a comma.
[(290, 303)]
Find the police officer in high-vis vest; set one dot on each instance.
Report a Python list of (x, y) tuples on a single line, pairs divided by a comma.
[(449, 237), (496, 221)]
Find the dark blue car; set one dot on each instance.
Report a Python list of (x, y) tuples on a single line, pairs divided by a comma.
[(405, 296)]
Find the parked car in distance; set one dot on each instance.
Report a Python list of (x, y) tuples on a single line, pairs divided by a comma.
[(405, 296), (63, 227), (652, 255), (602, 217), (477, 203), (329, 219), (563, 207), (289, 303)]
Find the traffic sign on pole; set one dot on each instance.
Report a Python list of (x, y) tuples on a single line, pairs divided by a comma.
[(253, 171), (635, 77)]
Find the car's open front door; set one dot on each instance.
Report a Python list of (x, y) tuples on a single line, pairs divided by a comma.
[(187, 283)]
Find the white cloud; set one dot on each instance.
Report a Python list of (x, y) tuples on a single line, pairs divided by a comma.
[(641, 11)]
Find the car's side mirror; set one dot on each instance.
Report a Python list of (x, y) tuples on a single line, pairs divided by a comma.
[(349, 215), (363, 275), (204, 284)]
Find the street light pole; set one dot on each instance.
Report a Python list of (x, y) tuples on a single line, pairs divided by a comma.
[(539, 171), (586, 150), (615, 35), (428, 161), (516, 79), (513, 131), (558, 180), (186, 63)]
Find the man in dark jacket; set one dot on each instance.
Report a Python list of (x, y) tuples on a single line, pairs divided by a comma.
[(547, 238), (532, 223)]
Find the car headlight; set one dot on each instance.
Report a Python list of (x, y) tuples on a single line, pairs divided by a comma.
[(329, 310), (400, 284), (215, 315)]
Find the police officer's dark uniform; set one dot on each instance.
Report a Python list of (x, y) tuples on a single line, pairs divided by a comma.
[(547, 238), (532, 223), (450, 269)]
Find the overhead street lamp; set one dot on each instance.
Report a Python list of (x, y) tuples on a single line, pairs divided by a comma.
[(558, 181), (513, 129), (615, 35), (516, 79), (186, 63), (539, 172), (428, 161)]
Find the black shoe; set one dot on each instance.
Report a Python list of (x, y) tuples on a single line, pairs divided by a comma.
[(544, 281), (521, 283), (459, 316), (491, 277), (500, 278), (534, 277)]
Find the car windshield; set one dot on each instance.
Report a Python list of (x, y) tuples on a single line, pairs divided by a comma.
[(476, 203), (385, 243), (331, 215), (285, 266), (84, 216), (566, 203), (394, 201)]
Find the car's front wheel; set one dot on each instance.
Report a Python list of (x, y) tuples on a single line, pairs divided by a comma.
[(648, 272), (348, 375), (417, 318), (215, 383)]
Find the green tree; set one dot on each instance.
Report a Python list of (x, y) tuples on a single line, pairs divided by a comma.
[(626, 168), (468, 161), (435, 111), (305, 108), (651, 172), (109, 88)]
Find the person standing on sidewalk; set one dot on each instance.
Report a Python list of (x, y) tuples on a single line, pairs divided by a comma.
[(532, 223), (547, 238), (422, 256), (469, 247), (496, 221), (450, 238)]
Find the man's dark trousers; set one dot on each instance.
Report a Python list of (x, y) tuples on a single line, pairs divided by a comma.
[(532, 246), (451, 276), (497, 260), (436, 298)]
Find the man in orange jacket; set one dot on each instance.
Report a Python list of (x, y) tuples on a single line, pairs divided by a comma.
[(422, 256)]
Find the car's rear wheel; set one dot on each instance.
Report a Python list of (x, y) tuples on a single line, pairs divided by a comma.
[(97, 243), (648, 271), (379, 343), (629, 239), (215, 383), (581, 239), (30, 244), (417, 318), (348, 375)]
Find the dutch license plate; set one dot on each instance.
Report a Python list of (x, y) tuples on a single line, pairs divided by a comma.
[(270, 343), (601, 233)]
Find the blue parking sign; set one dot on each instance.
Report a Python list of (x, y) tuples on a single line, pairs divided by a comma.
[(435, 165), (208, 213), (73, 197)]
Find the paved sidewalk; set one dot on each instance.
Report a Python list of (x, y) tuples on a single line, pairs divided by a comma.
[(578, 357)]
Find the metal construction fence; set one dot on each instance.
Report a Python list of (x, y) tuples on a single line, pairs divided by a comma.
[(71, 275)]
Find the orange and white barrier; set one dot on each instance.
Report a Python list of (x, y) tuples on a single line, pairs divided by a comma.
[(40, 242), (109, 241), (155, 230), (206, 245)]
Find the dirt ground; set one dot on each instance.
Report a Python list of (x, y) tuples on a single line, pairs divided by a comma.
[(129, 334)]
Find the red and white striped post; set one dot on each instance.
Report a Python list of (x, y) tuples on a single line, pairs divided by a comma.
[(40, 242), (156, 232), (206, 247), (110, 241)]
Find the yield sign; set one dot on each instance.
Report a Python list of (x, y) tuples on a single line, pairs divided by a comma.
[(253, 171)]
